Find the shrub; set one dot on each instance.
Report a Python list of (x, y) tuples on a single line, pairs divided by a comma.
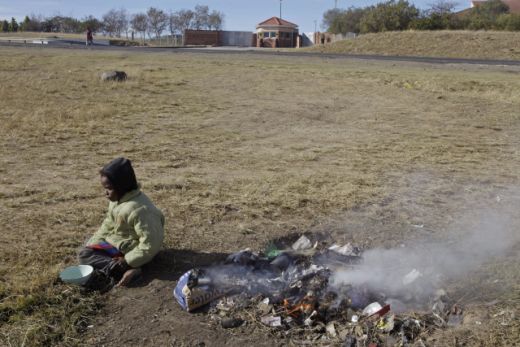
[(394, 15), (348, 21), (388, 16), (509, 21), (434, 21), (485, 16), (121, 42)]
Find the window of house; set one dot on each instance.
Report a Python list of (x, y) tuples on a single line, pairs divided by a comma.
[(268, 34)]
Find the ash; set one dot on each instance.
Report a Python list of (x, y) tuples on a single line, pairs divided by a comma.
[(303, 293)]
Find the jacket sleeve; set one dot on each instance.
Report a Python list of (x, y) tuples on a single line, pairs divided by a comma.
[(149, 227), (103, 230)]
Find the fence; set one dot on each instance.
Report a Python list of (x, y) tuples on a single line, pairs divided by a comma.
[(235, 38), (323, 38), (218, 38)]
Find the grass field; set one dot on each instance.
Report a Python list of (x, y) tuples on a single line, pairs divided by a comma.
[(441, 43), (239, 150), (124, 40), (31, 34)]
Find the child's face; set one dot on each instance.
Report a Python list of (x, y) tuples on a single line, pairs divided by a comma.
[(110, 192)]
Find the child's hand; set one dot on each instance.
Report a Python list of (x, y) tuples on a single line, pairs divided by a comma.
[(128, 277), (121, 262), (119, 265)]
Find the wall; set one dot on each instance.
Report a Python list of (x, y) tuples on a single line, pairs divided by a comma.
[(307, 39), (323, 38), (218, 38), (236, 38), (201, 37)]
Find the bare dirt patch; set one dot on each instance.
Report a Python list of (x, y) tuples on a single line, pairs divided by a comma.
[(238, 151)]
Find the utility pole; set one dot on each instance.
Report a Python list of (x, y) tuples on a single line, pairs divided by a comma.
[(335, 3), (280, 8), (315, 25)]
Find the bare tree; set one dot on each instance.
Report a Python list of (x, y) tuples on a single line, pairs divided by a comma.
[(91, 22), (111, 23), (183, 20), (157, 20), (139, 23), (201, 18), (443, 7), (215, 20), (123, 22), (173, 23)]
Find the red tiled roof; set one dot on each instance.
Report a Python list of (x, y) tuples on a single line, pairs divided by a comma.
[(277, 22)]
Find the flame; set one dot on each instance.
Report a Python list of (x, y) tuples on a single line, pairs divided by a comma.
[(305, 306)]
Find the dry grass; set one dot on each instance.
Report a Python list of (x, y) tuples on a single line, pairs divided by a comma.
[(237, 150), (449, 44), (46, 35)]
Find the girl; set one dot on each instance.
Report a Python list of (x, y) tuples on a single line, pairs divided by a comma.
[(133, 230)]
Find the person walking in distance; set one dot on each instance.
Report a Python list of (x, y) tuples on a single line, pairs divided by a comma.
[(90, 37)]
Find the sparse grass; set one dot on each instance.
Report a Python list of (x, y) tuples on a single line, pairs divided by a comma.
[(448, 44), (46, 35), (236, 150)]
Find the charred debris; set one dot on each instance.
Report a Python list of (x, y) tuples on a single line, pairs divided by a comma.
[(290, 292)]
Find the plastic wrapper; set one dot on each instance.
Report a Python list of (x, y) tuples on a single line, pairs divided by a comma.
[(192, 292)]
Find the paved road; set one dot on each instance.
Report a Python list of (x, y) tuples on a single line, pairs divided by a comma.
[(103, 45), (363, 57)]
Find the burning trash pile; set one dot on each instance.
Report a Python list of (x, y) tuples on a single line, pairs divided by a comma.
[(311, 293)]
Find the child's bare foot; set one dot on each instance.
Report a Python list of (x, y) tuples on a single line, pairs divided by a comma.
[(128, 276)]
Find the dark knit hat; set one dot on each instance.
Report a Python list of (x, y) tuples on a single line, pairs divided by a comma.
[(121, 174)]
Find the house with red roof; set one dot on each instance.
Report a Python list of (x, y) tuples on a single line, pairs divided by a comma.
[(277, 32)]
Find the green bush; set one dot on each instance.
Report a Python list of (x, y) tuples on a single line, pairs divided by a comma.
[(388, 16), (485, 16), (457, 22), (509, 21), (13, 26), (348, 21), (395, 15), (435, 21), (125, 43)]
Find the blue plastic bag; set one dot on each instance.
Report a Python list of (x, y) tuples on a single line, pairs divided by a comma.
[(192, 298)]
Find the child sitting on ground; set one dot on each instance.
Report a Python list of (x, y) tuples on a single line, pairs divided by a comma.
[(133, 230)]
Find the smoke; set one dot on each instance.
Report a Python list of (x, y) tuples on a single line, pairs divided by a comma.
[(408, 276), (414, 272)]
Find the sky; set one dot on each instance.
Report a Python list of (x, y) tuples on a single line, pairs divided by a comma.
[(241, 15)]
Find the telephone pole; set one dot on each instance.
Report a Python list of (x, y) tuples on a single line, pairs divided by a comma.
[(335, 3), (280, 8)]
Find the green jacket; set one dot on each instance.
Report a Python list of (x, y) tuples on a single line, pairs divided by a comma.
[(135, 226)]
